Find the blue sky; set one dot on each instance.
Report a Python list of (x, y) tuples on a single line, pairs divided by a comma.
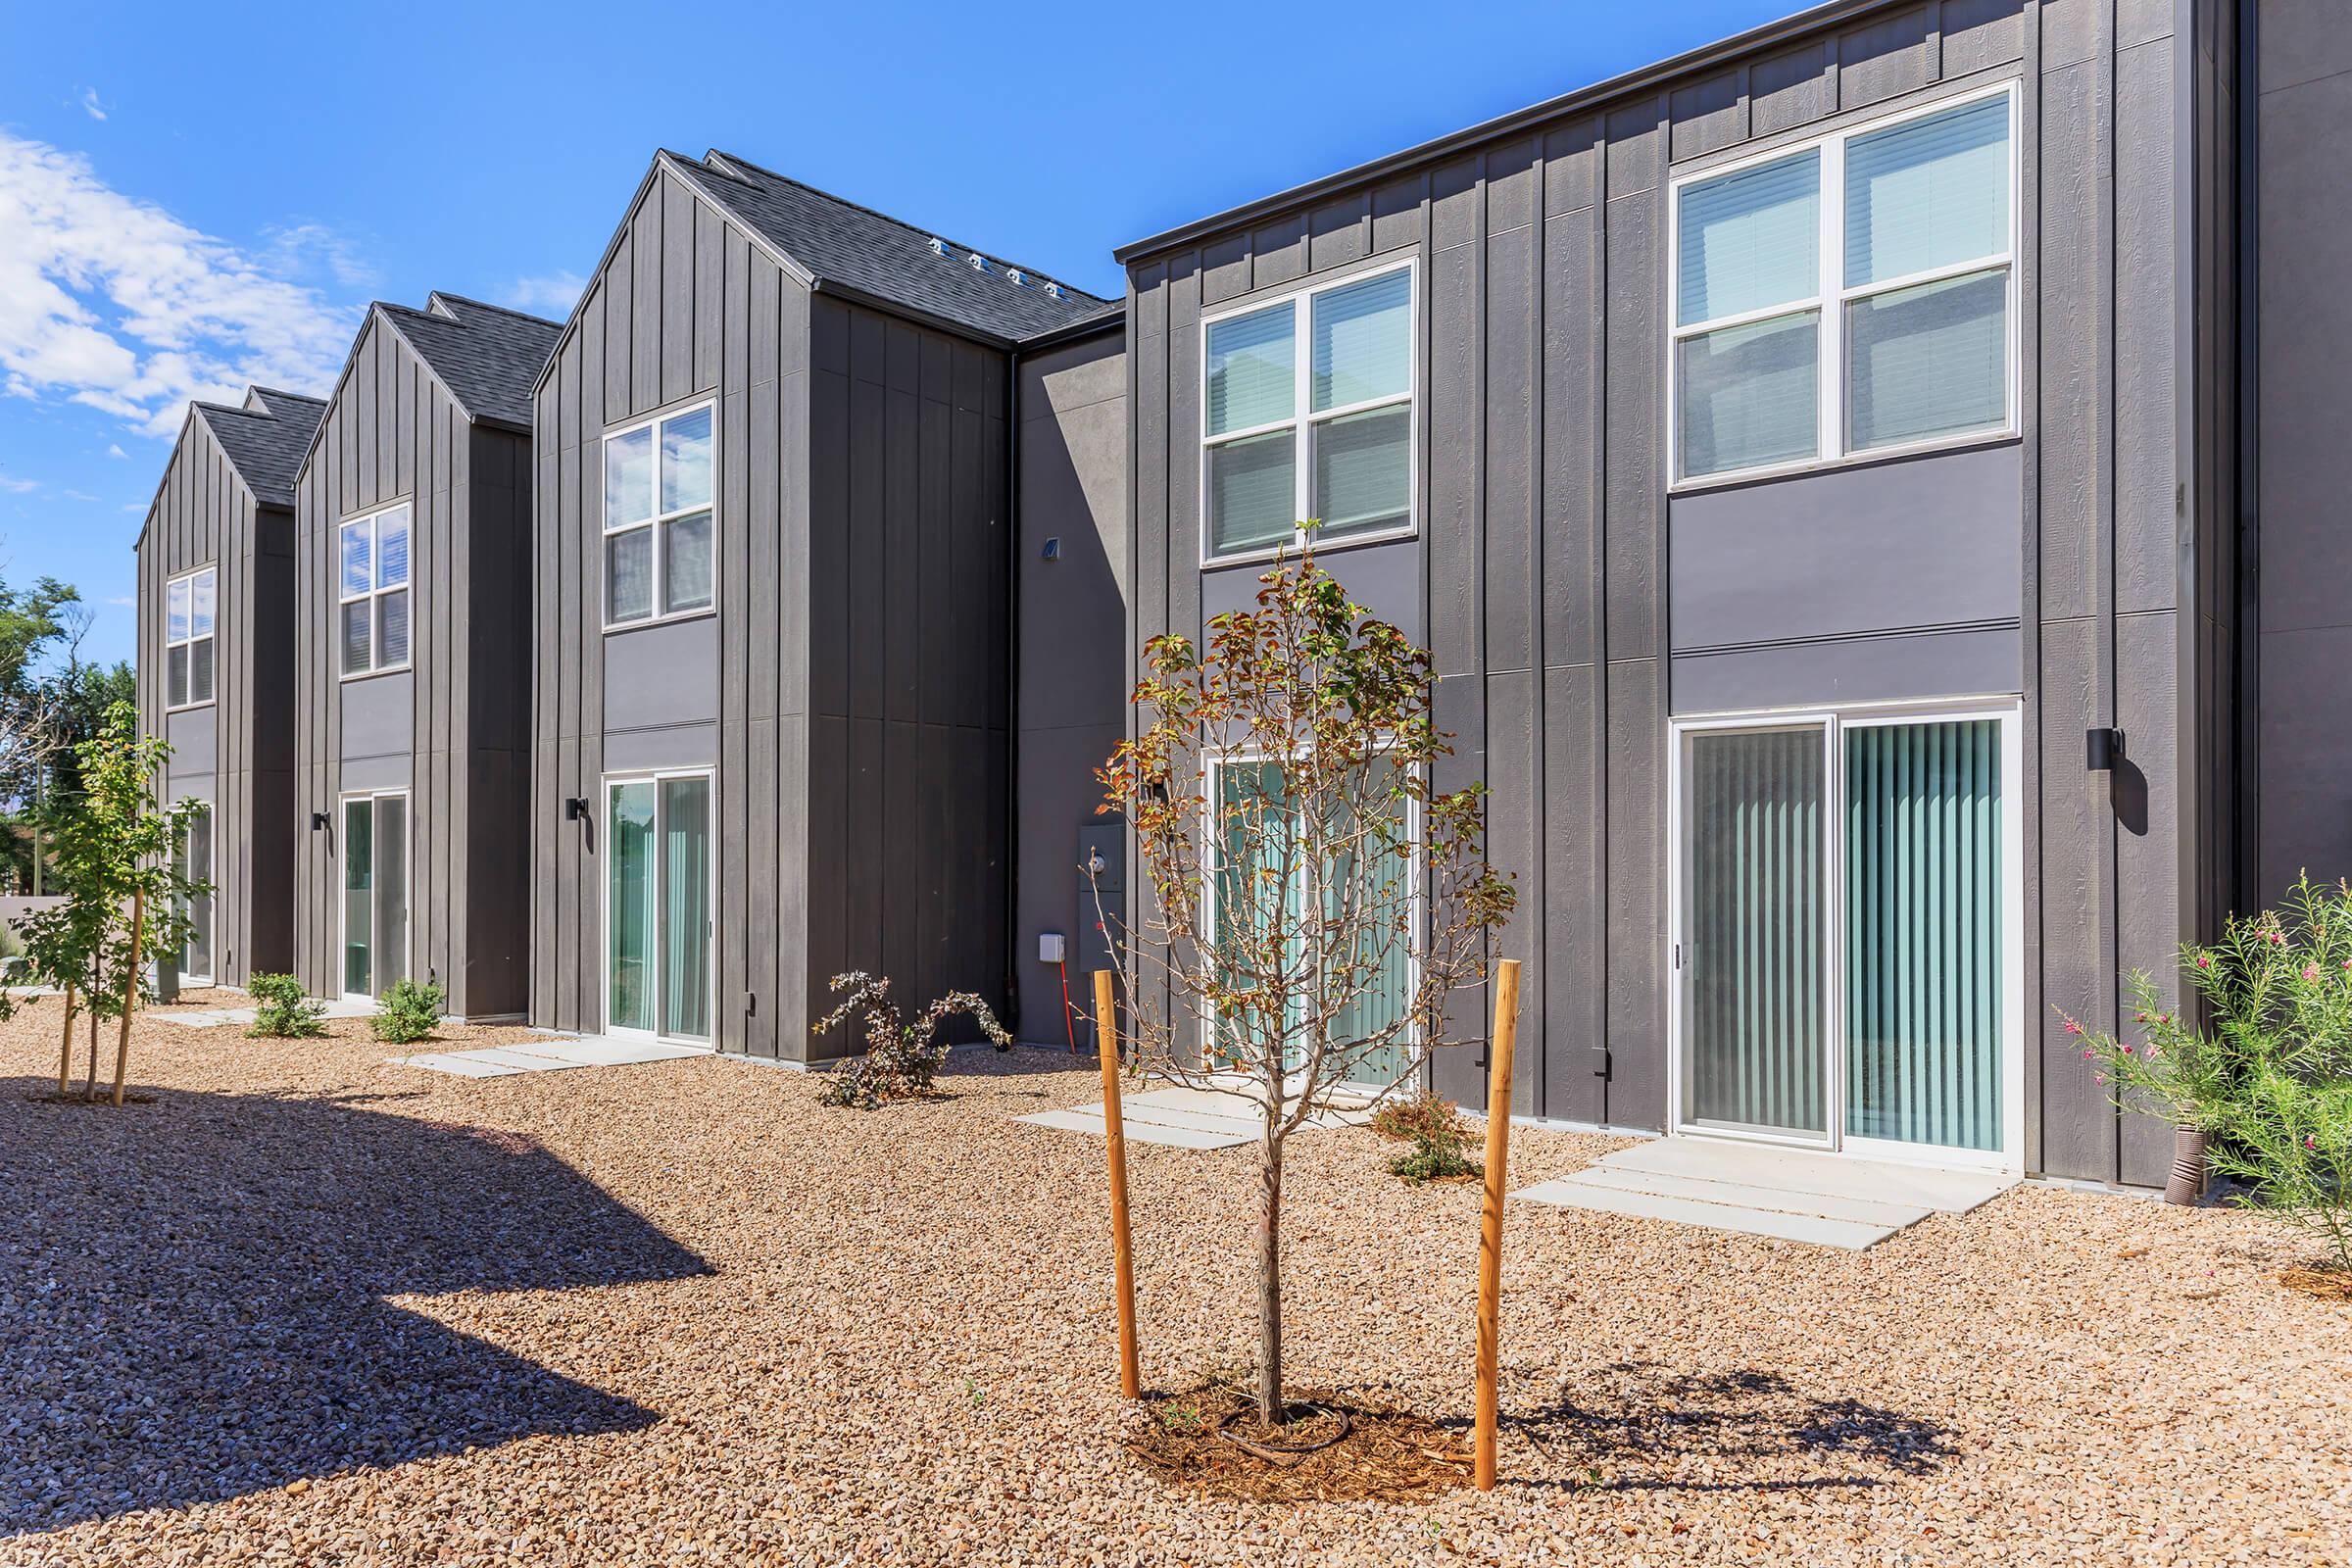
[(196, 196)]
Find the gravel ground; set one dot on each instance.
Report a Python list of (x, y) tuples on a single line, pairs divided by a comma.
[(308, 1308)]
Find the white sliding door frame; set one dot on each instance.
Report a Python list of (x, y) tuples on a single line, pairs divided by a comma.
[(407, 890), (1833, 723), (603, 827)]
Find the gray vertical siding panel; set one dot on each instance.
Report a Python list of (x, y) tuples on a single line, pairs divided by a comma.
[(677, 286), (2078, 886), (645, 304)]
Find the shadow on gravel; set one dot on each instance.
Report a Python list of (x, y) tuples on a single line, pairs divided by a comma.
[(1636, 1427), (190, 1295)]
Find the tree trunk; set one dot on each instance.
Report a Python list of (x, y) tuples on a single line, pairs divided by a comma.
[(1269, 1276), (89, 1090), (130, 992), (65, 1049)]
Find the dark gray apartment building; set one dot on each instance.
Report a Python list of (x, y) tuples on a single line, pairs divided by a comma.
[(773, 675), (216, 667), (1816, 464), (411, 693)]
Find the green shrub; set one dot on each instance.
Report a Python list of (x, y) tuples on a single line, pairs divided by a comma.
[(2268, 1074), (283, 1010), (412, 1011)]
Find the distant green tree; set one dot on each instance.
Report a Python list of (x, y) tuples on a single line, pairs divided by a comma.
[(123, 896)]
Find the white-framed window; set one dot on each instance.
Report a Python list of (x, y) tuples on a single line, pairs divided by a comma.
[(660, 532), (372, 556), (188, 660), (1306, 412), (1851, 296)]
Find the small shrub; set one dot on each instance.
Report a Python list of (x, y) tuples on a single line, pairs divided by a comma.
[(2268, 1071), (283, 1010), (902, 1056), (412, 1011), (1441, 1139)]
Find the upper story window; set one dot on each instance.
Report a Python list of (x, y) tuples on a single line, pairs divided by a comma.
[(188, 661), (658, 538), (374, 557), (1854, 296), (1307, 412)]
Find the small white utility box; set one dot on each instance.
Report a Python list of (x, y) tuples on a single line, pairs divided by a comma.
[(1048, 947)]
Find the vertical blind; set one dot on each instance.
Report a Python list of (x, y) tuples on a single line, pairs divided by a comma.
[(1749, 240), (1754, 961), (391, 949), (1922, 933), (629, 907), (359, 904), (686, 908), (1928, 193)]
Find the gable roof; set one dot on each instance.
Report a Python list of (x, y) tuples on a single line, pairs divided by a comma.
[(265, 439), (485, 356)]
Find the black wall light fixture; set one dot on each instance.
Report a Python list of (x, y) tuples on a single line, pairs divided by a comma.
[(575, 809), (2101, 747)]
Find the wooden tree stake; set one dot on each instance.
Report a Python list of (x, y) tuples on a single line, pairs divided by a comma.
[(130, 989), (1107, 1046), (1489, 1228), (65, 1049)]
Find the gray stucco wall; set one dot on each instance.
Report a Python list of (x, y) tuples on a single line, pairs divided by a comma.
[(449, 729), (2303, 641), (1070, 702), (1554, 580), (238, 753)]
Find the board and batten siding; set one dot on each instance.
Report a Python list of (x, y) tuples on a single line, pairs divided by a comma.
[(236, 754), (451, 729), (1540, 577), (849, 696)]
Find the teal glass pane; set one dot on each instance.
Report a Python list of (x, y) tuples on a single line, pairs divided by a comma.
[(358, 898), (1754, 970), (1929, 193), (1256, 914), (1252, 369), (629, 907), (1370, 901), (391, 890), (686, 908), (1363, 341), (1749, 240), (1922, 933)]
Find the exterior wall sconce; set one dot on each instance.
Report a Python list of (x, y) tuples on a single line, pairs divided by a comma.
[(2100, 749), (319, 821), (575, 809)]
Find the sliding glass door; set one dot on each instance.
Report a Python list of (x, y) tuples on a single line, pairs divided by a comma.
[(1844, 932), (657, 913), (376, 892), (193, 857)]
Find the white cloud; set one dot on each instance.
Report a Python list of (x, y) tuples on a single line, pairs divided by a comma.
[(550, 294), (112, 302), (113, 449), (18, 487), (123, 602), (90, 105), (311, 250)]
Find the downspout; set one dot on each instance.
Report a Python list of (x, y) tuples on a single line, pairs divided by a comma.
[(1012, 1014), (2246, 779)]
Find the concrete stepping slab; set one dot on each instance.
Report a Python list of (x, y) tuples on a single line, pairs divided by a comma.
[(1819, 1172), (552, 1053), (1742, 1195), (461, 1066), (1089, 1119), (1852, 1235)]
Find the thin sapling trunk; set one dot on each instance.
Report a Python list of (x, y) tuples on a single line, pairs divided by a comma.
[(65, 1049), (1269, 1275)]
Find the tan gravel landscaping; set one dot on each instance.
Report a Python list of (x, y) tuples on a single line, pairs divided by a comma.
[(310, 1308)]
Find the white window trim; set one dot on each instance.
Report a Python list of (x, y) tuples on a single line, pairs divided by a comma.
[(193, 637), (184, 858), (375, 590), (658, 776), (1417, 1043), (1831, 297), (652, 524), (408, 882), (1303, 418), (1835, 720)]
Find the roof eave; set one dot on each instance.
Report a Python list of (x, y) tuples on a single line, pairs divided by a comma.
[(1718, 53)]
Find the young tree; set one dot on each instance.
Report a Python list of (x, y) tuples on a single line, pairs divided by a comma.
[(122, 896), (1315, 900)]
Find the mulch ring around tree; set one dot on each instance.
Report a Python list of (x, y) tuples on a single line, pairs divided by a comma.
[(2328, 1284), (1332, 1448)]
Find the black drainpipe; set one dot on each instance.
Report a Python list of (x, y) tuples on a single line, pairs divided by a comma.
[(2249, 893), (1012, 1015)]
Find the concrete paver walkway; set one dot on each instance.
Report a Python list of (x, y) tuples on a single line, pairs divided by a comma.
[(217, 1017), (1184, 1118), (551, 1053), (1796, 1195)]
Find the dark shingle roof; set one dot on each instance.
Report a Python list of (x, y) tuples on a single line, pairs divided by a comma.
[(266, 440), (840, 242), (487, 356)]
